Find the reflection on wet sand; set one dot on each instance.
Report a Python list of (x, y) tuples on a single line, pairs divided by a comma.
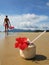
[(5, 34)]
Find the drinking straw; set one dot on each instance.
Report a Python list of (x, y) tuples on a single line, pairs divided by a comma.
[(38, 36)]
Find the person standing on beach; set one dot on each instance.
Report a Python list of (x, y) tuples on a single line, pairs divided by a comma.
[(6, 23)]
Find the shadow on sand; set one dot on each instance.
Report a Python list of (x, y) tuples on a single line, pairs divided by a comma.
[(38, 58)]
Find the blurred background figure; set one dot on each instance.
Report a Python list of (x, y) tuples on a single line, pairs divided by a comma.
[(6, 23)]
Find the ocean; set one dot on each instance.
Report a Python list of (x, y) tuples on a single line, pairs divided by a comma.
[(24, 29)]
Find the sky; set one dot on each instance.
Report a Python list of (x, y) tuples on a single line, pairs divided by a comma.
[(28, 14)]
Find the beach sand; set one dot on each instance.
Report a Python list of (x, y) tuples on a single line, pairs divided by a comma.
[(10, 55)]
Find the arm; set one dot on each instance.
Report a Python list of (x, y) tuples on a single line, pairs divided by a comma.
[(9, 23)]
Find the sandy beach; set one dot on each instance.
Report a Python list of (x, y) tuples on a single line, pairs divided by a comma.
[(10, 55)]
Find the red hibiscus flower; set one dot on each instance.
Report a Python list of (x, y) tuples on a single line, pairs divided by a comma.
[(21, 43)]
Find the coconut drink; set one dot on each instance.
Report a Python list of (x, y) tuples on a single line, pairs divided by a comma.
[(26, 48)]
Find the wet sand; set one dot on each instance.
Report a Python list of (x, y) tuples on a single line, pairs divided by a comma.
[(10, 55)]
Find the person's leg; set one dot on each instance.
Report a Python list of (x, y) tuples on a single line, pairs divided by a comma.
[(5, 28)]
